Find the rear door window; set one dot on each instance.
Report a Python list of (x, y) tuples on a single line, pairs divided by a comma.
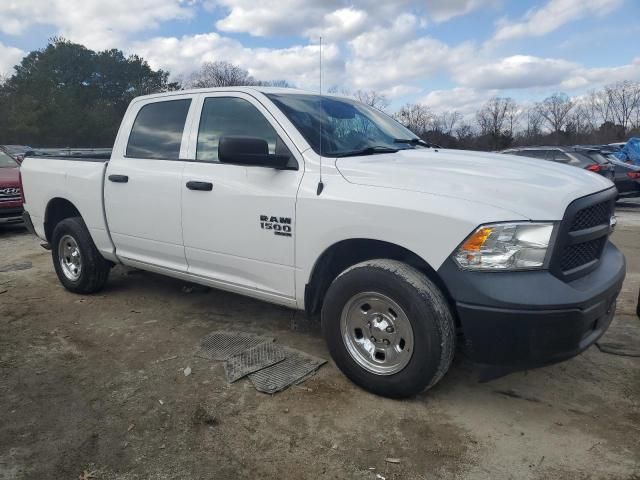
[(541, 154), (157, 130), (559, 156)]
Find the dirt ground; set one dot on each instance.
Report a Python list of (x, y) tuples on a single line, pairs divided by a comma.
[(93, 387)]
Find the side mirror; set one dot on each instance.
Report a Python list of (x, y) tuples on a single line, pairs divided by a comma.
[(249, 151)]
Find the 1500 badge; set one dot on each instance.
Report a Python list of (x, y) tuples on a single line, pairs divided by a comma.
[(280, 225)]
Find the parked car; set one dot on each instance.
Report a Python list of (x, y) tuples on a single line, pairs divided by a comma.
[(574, 156), (627, 175), (10, 197), (17, 152), (327, 205)]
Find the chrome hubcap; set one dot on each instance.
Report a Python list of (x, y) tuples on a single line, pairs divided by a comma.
[(377, 333), (70, 258)]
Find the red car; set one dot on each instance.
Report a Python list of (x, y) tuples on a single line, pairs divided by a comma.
[(10, 193)]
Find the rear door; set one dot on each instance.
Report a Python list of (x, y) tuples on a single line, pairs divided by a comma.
[(239, 231), (143, 184)]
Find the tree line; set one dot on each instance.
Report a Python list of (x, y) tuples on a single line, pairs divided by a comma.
[(611, 114), (68, 95)]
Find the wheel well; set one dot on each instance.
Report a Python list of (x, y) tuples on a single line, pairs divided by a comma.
[(346, 253), (57, 210)]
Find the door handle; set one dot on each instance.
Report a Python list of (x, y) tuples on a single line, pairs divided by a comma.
[(203, 186), (118, 178)]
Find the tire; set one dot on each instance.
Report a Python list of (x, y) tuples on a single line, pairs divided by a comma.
[(418, 357), (93, 271)]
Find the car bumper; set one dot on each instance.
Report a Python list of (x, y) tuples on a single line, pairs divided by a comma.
[(10, 215), (529, 319)]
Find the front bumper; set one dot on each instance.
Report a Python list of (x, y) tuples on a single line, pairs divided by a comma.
[(10, 215), (529, 319)]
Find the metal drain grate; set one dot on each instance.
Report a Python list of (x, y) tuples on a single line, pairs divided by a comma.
[(222, 345), (295, 367), (252, 360)]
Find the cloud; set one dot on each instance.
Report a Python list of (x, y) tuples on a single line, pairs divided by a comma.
[(392, 58), (589, 78), (518, 71), (297, 64), (444, 10), (463, 99), (553, 15), (97, 24), (333, 19), (9, 56)]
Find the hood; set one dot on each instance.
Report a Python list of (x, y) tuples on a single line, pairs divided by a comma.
[(534, 189), (9, 177)]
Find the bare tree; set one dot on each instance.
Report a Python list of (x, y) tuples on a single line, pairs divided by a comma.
[(598, 107), (464, 133), (579, 121), (445, 122), (225, 74), (416, 117), (624, 100), (372, 98), (555, 111), (219, 74), (512, 115), (491, 117), (533, 125)]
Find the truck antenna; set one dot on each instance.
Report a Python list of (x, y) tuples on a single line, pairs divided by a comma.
[(320, 184)]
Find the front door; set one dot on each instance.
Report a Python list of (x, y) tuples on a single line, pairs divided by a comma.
[(239, 221)]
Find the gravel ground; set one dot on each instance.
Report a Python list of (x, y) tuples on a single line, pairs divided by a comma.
[(93, 387)]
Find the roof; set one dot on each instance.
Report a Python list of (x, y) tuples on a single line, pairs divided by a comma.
[(251, 89)]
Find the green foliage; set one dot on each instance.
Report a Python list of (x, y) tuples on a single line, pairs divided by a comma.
[(68, 95)]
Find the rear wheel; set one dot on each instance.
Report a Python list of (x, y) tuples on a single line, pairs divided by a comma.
[(78, 264), (389, 328)]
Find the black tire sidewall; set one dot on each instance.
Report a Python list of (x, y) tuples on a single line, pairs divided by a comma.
[(426, 357), (93, 265)]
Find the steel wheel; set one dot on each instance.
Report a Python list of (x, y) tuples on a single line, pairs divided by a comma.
[(70, 258), (377, 333)]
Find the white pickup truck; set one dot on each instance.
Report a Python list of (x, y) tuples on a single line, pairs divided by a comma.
[(325, 204)]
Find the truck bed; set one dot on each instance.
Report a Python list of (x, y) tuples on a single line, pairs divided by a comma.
[(74, 177)]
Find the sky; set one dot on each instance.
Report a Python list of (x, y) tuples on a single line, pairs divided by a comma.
[(447, 54)]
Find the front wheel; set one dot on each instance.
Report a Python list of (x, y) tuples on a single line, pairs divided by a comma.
[(389, 328), (78, 264)]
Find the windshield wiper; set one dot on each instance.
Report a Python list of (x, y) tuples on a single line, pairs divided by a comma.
[(413, 141), (363, 151)]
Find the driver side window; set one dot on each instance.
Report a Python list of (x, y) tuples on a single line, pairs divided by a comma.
[(233, 117)]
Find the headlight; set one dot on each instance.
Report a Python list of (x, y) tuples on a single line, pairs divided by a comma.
[(506, 246)]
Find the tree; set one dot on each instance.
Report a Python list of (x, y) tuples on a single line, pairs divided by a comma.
[(416, 117), (445, 122), (555, 111), (220, 74), (66, 94), (623, 102), (372, 98), (225, 74), (496, 120), (533, 125)]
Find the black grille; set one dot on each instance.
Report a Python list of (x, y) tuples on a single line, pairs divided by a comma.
[(582, 235), (580, 254), (592, 216)]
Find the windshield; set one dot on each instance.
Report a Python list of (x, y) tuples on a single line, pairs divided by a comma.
[(6, 160), (348, 127)]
